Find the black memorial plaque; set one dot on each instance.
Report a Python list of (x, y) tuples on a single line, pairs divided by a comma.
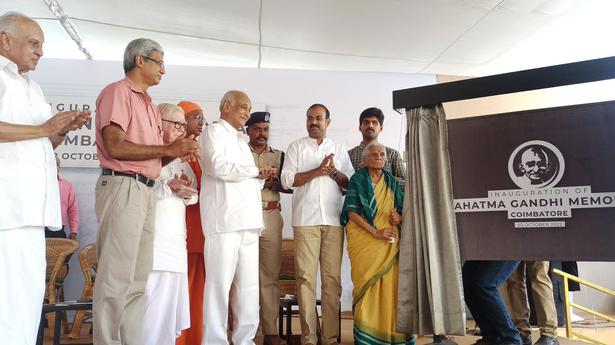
[(536, 185)]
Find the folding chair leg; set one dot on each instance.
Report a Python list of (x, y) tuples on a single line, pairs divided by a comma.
[(339, 325), (289, 317), (280, 320)]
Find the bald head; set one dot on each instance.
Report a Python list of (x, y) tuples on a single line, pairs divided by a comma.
[(8, 21), (235, 108), (21, 40)]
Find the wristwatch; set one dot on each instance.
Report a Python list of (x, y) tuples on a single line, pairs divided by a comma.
[(333, 175)]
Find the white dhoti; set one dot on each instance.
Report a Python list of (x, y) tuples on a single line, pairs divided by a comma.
[(22, 268), (231, 265), (167, 307)]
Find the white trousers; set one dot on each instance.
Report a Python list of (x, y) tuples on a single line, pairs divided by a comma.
[(22, 290), (167, 307), (231, 265)]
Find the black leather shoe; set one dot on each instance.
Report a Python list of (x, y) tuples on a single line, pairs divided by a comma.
[(526, 339), (442, 340), (544, 340)]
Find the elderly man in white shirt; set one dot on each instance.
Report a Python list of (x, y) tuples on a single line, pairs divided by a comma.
[(29, 194), (167, 306), (317, 168), (232, 217)]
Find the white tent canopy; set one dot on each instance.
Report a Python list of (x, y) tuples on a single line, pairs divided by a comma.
[(456, 37)]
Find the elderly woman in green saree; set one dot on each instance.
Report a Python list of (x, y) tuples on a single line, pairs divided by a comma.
[(372, 218)]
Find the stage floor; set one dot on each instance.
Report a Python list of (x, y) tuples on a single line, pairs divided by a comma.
[(601, 332)]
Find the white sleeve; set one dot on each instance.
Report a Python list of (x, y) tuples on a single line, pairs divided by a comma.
[(161, 189), (193, 200), (188, 170), (215, 162), (345, 163), (289, 170)]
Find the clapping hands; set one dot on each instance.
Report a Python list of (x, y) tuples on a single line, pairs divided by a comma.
[(327, 166), (180, 185), (267, 172), (185, 147), (66, 121)]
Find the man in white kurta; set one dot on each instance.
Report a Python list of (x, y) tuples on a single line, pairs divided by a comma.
[(232, 217), (167, 309), (317, 168), (29, 195)]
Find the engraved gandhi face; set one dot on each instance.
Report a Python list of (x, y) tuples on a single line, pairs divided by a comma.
[(534, 164)]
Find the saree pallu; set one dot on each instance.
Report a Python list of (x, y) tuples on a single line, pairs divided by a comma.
[(374, 266)]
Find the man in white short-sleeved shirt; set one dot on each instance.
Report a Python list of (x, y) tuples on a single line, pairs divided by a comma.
[(317, 168)]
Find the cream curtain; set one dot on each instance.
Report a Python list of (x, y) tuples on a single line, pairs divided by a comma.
[(430, 297)]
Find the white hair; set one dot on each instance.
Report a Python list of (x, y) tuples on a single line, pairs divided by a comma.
[(8, 21), (229, 97), (167, 109), (369, 146)]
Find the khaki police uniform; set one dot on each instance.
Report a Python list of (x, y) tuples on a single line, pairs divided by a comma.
[(270, 246)]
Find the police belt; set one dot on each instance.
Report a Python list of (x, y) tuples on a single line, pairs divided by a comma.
[(271, 205), (146, 181)]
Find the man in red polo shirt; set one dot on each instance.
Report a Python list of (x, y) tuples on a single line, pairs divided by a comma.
[(131, 153)]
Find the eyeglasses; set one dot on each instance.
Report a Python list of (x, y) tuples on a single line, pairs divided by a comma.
[(159, 62), (199, 118), (181, 126)]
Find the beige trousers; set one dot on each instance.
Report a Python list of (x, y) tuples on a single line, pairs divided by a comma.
[(314, 244), (270, 257), (125, 211), (542, 293)]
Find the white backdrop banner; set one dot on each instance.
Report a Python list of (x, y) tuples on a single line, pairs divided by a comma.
[(79, 147)]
